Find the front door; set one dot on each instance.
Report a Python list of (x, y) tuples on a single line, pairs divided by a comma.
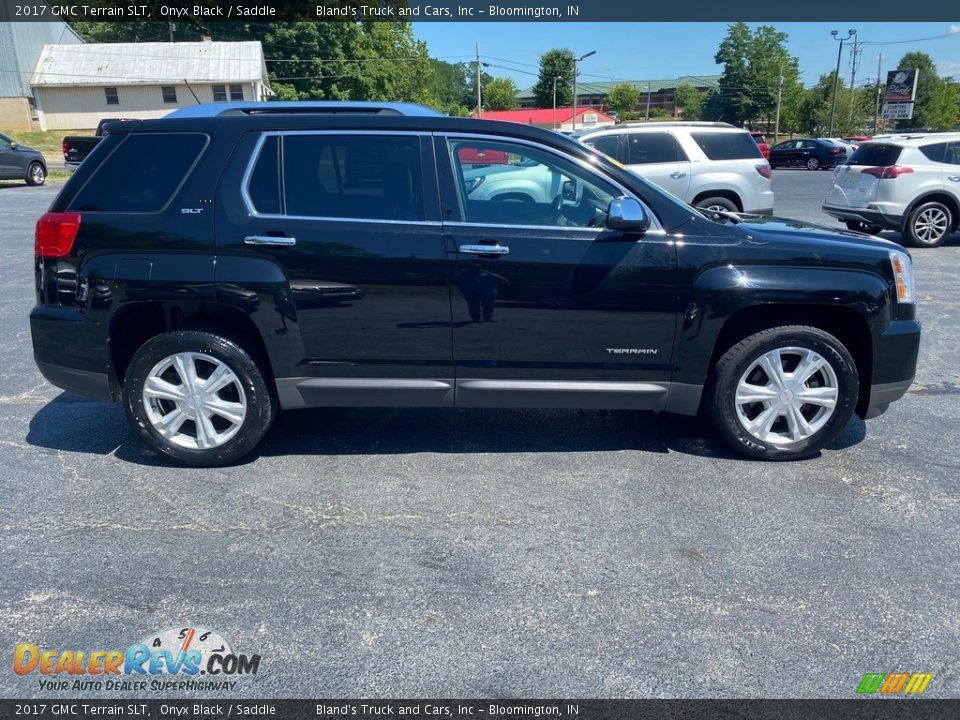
[(550, 308), (352, 221)]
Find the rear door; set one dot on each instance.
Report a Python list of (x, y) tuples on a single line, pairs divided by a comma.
[(951, 170), (351, 221), (658, 158), (550, 307)]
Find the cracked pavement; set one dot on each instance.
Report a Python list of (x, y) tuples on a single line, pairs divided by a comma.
[(488, 553)]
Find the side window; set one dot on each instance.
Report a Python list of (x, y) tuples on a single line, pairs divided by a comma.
[(646, 148), (609, 145), (952, 156), (5, 142), (264, 187), (151, 166), (353, 176), (936, 153), (236, 92), (533, 187)]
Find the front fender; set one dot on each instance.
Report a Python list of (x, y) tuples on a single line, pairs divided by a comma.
[(808, 294)]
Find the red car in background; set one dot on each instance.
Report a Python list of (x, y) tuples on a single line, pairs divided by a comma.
[(760, 139)]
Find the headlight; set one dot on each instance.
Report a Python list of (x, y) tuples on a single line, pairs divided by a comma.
[(903, 276)]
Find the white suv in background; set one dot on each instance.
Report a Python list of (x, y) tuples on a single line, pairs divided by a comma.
[(707, 164), (909, 183)]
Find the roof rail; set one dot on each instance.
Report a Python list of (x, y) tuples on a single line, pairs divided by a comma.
[(301, 107), (675, 123)]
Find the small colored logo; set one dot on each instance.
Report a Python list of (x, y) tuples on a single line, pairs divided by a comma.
[(894, 683)]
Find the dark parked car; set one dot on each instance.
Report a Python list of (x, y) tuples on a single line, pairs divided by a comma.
[(811, 153), (19, 162), (77, 147), (257, 259)]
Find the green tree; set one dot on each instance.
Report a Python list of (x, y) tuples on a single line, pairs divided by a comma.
[(623, 98), (449, 87), (500, 94), (689, 101), (936, 104), (554, 64)]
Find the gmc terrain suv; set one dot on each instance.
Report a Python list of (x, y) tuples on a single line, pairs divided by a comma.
[(711, 165), (266, 256), (908, 183)]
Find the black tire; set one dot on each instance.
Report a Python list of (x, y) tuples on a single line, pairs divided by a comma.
[(261, 403), (918, 236), (727, 372), (36, 174), (813, 163), (860, 226), (718, 201)]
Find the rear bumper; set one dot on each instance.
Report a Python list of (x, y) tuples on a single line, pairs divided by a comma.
[(867, 215), (895, 353), (70, 351)]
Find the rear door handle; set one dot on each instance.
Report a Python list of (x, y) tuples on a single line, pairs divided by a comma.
[(954, 178), (484, 249), (676, 175), (268, 240)]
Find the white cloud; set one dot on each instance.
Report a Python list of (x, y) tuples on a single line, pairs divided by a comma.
[(955, 28), (949, 68)]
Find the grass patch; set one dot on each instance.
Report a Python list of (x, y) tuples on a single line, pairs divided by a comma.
[(49, 142), (58, 177)]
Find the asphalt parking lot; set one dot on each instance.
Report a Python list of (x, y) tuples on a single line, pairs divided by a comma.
[(489, 553)]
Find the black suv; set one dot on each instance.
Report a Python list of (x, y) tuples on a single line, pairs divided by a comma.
[(218, 265)]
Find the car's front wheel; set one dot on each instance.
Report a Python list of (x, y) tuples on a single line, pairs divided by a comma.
[(36, 174), (197, 397), (813, 164), (928, 225), (783, 393)]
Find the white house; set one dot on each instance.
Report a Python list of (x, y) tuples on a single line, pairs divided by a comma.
[(76, 86)]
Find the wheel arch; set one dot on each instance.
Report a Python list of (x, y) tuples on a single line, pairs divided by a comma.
[(137, 322), (936, 196), (727, 193)]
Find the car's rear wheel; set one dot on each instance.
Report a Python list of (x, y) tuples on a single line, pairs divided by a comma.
[(860, 226), (928, 225), (36, 174), (783, 393), (197, 397), (813, 164), (717, 204)]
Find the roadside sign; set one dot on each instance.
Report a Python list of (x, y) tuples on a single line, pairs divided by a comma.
[(901, 86), (898, 110)]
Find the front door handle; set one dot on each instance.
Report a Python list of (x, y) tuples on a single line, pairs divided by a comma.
[(268, 240), (484, 249), (676, 175), (954, 178)]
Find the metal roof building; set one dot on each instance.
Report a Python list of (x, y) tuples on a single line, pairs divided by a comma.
[(76, 86)]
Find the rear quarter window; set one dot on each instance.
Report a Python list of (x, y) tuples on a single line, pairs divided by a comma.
[(936, 152), (142, 174), (875, 155), (727, 145)]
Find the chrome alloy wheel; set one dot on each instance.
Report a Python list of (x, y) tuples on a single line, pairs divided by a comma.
[(931, 225), (36, 173), (786, 395), (194, 400)]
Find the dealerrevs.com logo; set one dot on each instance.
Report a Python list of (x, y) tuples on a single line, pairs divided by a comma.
[(183, 654)]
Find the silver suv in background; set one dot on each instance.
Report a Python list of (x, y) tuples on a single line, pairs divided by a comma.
[(707, 164), (909, 183)]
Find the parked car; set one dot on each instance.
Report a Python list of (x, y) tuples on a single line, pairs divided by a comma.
[(77, 147), (850, 145), (709, 165), (905, 183), (19, 162), (811, 153), (761, 140), (253, 261)]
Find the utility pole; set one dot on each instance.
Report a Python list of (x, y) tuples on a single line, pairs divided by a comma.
[(836, 80), (575, 60), (855, 51), (171, 26), (555, 78), (647, 114), (479, 108), (876, 106), (776, 122)]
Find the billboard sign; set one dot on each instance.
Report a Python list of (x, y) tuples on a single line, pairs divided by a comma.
[(901, 86), (898, 110)]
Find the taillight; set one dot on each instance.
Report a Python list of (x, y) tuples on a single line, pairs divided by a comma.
[(888, 172), (835, 150), (65, 148), (56, 233), (764, 170)]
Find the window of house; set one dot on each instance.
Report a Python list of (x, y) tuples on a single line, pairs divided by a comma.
[(113, 97), (169, 93), (219, 93), (236, 92)]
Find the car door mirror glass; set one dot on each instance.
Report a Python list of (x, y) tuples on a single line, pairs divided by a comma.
[(627, 215)]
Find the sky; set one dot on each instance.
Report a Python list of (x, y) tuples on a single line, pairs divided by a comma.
[(641, 51)]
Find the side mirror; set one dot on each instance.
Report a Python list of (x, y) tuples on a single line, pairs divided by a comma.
[(627, 215), (13, 146)]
